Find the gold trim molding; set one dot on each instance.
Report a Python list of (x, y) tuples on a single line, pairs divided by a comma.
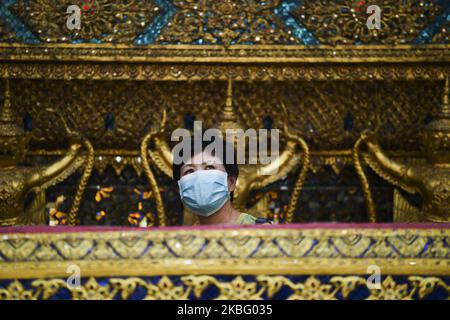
[(239, 62), (292, 250), (267, 54)]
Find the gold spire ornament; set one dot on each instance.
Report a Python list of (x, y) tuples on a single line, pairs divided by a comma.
[(436, 135), (431, 179), (13, 140), (16, 181), (229, 120)]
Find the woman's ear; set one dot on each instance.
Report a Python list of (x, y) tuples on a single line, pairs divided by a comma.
[(231, 183)]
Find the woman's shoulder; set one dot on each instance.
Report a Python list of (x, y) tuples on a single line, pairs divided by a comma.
[(245, 218)]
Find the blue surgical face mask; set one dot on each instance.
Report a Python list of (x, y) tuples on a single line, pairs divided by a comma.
[(204, 192)]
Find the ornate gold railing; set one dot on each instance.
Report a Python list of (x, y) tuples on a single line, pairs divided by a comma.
[(413, 261)]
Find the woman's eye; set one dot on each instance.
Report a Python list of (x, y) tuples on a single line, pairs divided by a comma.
[(209, 167), (188, 172)]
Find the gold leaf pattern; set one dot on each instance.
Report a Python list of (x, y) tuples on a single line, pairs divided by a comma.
[(264, 287)]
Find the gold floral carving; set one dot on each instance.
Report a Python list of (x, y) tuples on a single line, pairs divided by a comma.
[(226, 22), (345, 22), (101, 20), (311, 288)]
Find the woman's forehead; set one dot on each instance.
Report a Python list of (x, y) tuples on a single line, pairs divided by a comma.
[(203, 158)]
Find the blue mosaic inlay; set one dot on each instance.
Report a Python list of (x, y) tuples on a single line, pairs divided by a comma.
[(427, 34), (298, 30), (153, 29), (21, 30)]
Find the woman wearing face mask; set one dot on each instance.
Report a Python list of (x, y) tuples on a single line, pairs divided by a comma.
[(207, 183)]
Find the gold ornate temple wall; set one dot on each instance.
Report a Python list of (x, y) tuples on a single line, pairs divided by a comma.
[(312, 67), (117, 72), (115, 95)]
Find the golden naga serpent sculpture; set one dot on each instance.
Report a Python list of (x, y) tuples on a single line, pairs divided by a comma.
[(88, 167), (370, 207), (430, 178), (17, 180), (302, 175), (148, 171)]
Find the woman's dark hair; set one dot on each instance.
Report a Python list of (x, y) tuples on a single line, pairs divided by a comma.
[(232, 168)]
